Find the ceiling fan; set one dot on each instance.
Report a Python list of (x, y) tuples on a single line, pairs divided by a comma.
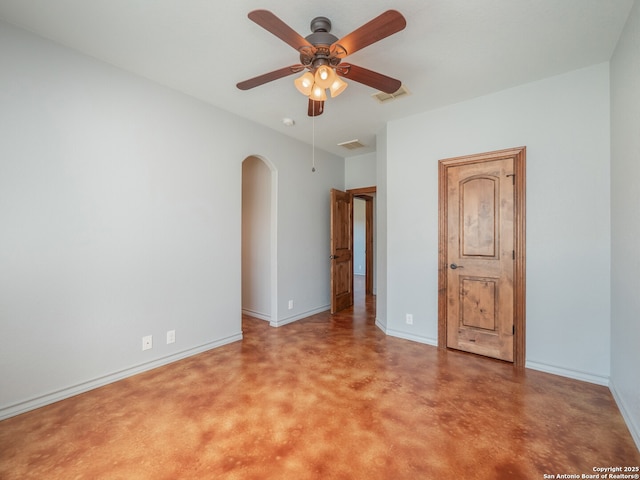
[(321, 54)]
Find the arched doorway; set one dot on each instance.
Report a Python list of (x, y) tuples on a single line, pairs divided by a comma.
[(259, 239)]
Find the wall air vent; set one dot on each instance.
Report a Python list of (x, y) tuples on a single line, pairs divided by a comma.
[(382, 97), (351, 144)]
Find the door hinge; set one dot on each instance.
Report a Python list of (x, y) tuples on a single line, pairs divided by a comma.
[(513, 254), (513, 329)]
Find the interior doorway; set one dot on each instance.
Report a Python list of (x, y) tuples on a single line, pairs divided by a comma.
[(364, 245), (341, 246), (259, 248)]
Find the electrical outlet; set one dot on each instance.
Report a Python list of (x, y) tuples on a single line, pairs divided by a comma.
[(147, 342), (409, 319), (290, 304), (171, 337)]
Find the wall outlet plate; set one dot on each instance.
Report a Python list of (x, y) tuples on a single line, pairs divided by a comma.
[(147, 342), (171, 337), (409, 319)]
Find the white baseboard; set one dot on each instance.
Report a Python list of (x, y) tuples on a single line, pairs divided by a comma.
[(566, 372), (634, 428), (299, 316), (46, 399), (258, 315), (409, 336)]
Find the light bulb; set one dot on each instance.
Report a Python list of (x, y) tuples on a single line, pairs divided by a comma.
[(324, 76)]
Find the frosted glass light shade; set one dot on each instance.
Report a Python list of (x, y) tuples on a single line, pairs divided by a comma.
[(304, 83), (318, 93), (324, 76), (337, 87)]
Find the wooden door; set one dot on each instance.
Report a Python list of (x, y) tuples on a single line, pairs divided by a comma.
[(341, 250), (479, 269)]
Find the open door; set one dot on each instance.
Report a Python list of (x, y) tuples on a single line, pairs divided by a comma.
[(341, 250)]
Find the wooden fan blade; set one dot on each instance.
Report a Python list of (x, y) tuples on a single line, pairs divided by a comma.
[(316, 107), (269, 77), (284, 32), (369, 77), (382, 26)]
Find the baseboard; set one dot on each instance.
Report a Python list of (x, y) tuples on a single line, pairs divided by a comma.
[(299, 316), (566, 372), (258, 315), (414, 338), (41, 401), (634, 428)]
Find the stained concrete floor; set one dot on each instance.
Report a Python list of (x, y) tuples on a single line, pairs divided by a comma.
[(328, 397)]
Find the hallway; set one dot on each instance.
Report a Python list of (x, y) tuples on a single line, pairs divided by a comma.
[(327, 397)]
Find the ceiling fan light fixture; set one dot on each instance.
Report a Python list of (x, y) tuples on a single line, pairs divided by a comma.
[(318, 93), (304, 83), (325, 75), (337, 87), (321, 54)]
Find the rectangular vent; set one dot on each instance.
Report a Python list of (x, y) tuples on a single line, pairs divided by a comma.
[(351, 144), (382, 97)]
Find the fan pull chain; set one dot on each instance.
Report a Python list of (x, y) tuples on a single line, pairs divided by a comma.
[(313, 139)]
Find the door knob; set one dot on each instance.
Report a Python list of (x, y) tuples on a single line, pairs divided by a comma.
[(332, 257), (453, 266)]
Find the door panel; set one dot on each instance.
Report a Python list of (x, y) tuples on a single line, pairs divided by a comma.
[(480, 258), (478, 298), (478, 226), (341, 250)]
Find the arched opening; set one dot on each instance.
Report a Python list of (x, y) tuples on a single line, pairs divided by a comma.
[(259, 239)]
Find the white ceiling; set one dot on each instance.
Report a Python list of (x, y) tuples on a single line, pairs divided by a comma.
[(450, 51)]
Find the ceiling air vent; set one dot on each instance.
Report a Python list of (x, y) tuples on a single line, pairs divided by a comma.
[(382, 97), (351, 144)]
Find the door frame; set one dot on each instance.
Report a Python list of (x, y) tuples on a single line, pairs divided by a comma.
[(365, 194), (519, 164)]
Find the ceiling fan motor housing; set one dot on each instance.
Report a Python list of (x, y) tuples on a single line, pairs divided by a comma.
[(322, 40), (320, 24)]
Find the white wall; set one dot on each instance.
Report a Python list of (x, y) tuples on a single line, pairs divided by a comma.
[(303, 232), (625, 222), (256, 238), (381, 222), (564, 123), (360, 171), (120, 206)]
